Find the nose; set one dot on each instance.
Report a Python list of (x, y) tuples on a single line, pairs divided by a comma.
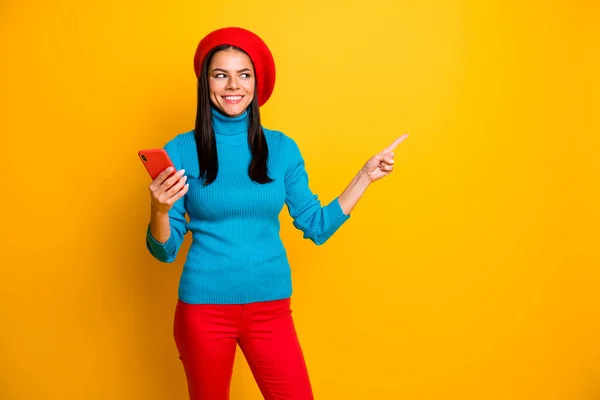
[(232, 83)]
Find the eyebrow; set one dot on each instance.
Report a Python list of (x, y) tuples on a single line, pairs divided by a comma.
[(224, 70)]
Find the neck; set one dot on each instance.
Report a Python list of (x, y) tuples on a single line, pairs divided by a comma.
[(229, 126)]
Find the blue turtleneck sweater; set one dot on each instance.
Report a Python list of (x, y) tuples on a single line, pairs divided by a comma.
[(236, 255)]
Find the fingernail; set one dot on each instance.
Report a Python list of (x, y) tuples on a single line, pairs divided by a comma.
[(182, 172)]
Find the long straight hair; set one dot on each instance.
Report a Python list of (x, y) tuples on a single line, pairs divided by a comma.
[(206, 144)]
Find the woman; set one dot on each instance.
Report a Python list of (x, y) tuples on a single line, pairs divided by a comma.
[(233, 179)]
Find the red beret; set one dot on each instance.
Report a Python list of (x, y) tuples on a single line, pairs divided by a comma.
[(257, 50)]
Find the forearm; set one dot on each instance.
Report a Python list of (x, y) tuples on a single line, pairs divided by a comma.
[(160, 226), (353, 192)]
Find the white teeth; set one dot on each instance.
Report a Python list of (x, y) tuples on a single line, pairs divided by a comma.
[(233, 98)]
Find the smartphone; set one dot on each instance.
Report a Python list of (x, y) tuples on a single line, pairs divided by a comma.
[(155, 161)]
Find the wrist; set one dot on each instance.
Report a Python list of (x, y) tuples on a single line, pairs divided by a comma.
[(364, 178), (158, 213)]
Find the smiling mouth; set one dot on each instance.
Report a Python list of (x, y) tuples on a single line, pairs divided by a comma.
[(232, 99)]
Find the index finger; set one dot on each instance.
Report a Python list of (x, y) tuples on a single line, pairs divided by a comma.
[(163, 175), (396, 143)]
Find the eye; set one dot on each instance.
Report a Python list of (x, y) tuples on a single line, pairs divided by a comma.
[(220, 75), (245, 75)]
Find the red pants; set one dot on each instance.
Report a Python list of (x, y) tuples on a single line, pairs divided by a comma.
[(207, 335)]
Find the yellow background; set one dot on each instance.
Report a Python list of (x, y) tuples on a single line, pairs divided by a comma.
[(471, 273)]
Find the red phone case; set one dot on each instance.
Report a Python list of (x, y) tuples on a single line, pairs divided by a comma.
[(155, 161)]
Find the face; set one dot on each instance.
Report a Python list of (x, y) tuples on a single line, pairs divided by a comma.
[(231, 81)]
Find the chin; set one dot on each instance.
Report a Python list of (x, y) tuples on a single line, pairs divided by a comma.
[(233, 111)]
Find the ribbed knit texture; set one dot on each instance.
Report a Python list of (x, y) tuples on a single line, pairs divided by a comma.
[(237, 256)]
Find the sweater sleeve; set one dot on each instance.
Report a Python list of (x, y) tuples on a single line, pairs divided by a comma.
[(167, 252), (317, 222)]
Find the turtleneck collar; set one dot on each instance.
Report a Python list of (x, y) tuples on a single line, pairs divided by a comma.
[(229, 126)]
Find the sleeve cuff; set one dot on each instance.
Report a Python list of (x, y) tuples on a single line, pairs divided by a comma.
[(162, 251), (337, 212), (335, 217)]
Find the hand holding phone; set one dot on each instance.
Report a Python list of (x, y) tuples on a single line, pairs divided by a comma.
[(167, 185)]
